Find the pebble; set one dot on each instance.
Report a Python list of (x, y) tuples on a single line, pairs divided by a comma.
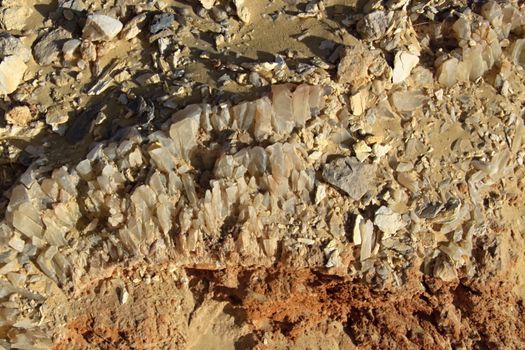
[(101, 28)]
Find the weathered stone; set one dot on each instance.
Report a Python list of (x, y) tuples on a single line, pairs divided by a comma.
[(48, 48), (13, 46), (404, 62), (373, 26), (349, 175), (12, 71), (14, 17), (20, 116), (101, 28)]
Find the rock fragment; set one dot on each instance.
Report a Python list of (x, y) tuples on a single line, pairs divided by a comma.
[(349, 175), (161, 22), (353, 67), (14, 17), (13, 46), (388, 221), (48, 48), (404, 62), (20, 116), (69, 48), (207, 4), (373, 26), (101, 28), (242, 11), (134, 26), (12, 71)]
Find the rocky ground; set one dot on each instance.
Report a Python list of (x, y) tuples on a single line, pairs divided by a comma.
[(280, 174)]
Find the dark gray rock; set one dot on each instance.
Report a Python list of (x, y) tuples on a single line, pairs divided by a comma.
[(47, 50)]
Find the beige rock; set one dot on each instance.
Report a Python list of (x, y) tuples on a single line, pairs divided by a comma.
[(404, 62), (242, 11), (20, 116), (207, 4), (12, 71), (447, 72), (101, 28), (358, 102), (14, 18)]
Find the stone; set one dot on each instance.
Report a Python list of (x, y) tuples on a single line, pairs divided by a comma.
[(207, 4), (161, 22), (353, 66), (447, 72), (404, 62), (12, 71), (101, 28), (134, 26), (69, 48), (349, 175), (242, 11), (388, 221), (408, 101), (13, 46), (14, 17), (47, 50), (373, 26), (20, 116)]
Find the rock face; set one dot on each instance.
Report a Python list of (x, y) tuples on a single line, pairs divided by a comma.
[(47, 50), (349, 175), (101, 28)]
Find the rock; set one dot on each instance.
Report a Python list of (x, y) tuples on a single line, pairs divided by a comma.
[(57, 121), (354, 64), (12, 71), (407, 101), (447, 72), (207, 4), (349, 175), (404, 62), (15, 17), (48, 48), (517, 53), (69, 48), (161, 22), (358, 102), (373, 26), (388, 221), (20, 116), (13, 46), (134, 26), (101, 28), (242, 11)]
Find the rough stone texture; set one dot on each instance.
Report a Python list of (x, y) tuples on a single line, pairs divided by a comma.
[(12, 70), (48, 48), (349, 175), (101, 28)]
